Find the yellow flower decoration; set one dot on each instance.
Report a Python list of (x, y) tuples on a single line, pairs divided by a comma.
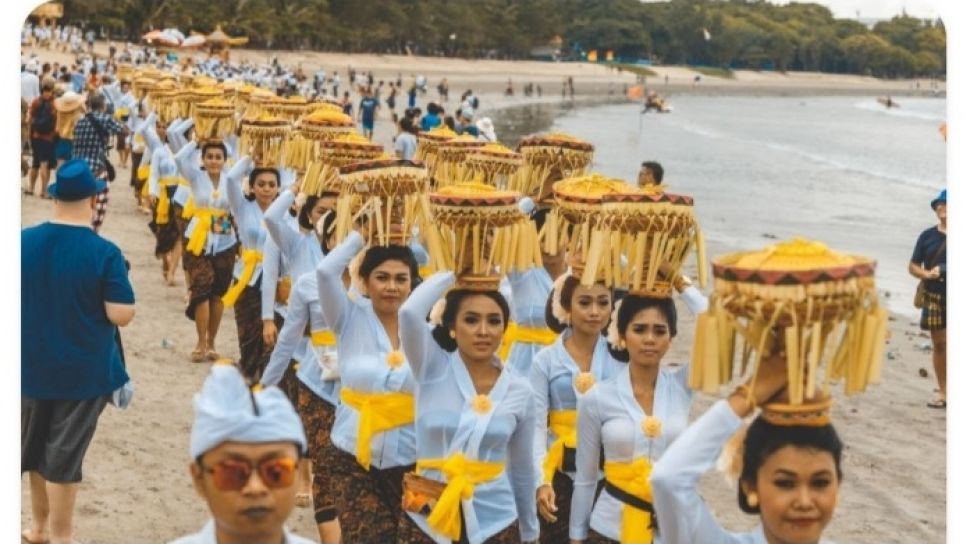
[(481, 404), (650, 426), (395, 359), (584, 381)]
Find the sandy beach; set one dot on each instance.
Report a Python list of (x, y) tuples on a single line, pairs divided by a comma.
[(136, 485)]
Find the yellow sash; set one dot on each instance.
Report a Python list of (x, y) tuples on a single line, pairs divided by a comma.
[(143, 172), (526, 335), (189, 208), (633, 478), (378, 412), (163, 201), (462, 475), (562, 423), (201, 230), (250, 258), (323, 337), (425, 272)]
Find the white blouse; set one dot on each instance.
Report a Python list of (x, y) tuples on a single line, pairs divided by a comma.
[(530, 290), (446, 424), (683, 516), (610, 417), (364, 344), (301, 251), (274, 268), (249, 222), (292, 343), (553, 380), (205, 196)]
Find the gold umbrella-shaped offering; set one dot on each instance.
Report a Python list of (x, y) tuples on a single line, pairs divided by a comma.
[(450, 166), (550, 158), (266, 136), (322, 125), (215, 119), (480, 234), (389, 193), (493, 164), (817, 305), (640, 231), (579, 202), (329, 155), (428, 143)]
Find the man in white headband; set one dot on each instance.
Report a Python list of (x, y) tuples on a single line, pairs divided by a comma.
[(247, 448)]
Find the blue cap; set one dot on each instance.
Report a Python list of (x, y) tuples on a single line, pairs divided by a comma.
[(941, 199), (75, 182)]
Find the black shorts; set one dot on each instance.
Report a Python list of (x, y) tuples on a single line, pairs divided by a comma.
[(55, 435), (43, 151)]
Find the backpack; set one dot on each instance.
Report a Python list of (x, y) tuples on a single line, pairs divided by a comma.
[(43, 121)]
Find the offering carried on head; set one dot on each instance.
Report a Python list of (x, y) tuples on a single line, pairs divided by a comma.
[(264, 138), (480, 234), (817, 306), (428, 143), (386, 196), (548, 159), (450, 167), (493, 164)]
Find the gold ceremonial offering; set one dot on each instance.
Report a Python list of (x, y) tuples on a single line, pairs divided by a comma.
[(161, 98), (450, 166), (266, 136), (198, 95), (579, 202), (312, 131), (646, 229), (816, 305), (259, 98), (428, 143), (291, 109), (214, 119), (550, 158), (480, 234), (493, 164), (328, 155), (389, 193)]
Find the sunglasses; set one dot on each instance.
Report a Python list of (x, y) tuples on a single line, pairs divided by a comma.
[(233, 475)]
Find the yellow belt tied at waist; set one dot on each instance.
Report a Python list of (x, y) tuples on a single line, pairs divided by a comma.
[(462, 475), (526, 335), (634, 479), (425, 271), (189, 208), (562, 423), (250, 258), (142, 172), (201, 230), (378, 412), (323, 338), (163, 201)]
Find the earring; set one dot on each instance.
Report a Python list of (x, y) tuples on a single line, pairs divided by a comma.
[(622, 344), (452, 334), (752, 499)]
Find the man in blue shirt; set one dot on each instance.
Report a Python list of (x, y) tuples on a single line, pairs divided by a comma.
[(432, 118), (75, 293), (366, 113)]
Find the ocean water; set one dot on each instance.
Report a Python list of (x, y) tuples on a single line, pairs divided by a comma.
[(841, 170)]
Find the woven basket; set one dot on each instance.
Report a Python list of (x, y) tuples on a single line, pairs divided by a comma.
[(550, 158), (493, 164), (820, 306), (428, 142), (450, 167), (215, 119), (266, 137), (480, 234), (390, 193)]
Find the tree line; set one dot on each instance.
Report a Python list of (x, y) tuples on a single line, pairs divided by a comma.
[(730, 34)]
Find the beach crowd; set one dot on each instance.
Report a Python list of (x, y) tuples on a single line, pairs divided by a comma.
[(387, 379)]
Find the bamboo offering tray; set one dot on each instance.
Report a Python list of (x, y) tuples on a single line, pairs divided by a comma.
[(313, 130), (202, 94), (291, 109), (450, 167), (647, 228), (215, 119), (161, 99), (493, 164), (389, 192), (266, 136), (579, 201), (550, 158), (820, 306), (480, 233), (428, 143)]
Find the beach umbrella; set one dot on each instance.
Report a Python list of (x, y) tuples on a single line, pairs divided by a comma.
[(159, 37), (175, 33), (195, 40), (219, 37)]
